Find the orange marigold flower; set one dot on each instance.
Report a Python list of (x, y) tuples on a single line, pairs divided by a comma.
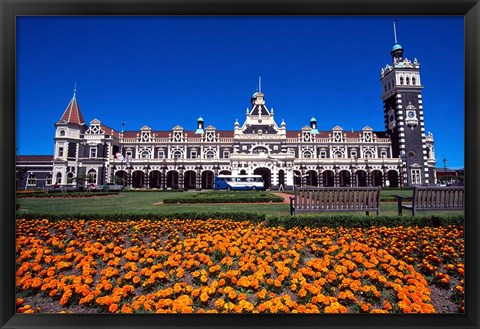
[(113, 308)]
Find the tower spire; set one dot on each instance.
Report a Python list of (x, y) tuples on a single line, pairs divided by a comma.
[(259, 84), (395, 30), (75, 89)]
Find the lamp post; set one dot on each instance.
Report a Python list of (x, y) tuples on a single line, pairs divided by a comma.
[(199, 177), (164, 171)]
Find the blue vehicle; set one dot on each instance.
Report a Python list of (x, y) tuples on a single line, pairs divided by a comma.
[(238, 182)]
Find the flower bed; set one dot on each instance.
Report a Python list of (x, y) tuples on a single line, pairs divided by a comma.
[(223, 266)]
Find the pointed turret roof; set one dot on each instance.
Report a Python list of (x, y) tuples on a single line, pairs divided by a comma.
[(72, 113)]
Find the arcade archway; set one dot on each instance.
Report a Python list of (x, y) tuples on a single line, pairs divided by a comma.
[(266, 175)]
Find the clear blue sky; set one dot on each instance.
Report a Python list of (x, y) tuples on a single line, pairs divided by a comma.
[(168, 71)]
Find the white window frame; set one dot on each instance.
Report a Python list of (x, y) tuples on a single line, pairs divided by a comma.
[(161, 154), (226, 154), (416, 175), (193, 154), (32, 180), (93, 153)]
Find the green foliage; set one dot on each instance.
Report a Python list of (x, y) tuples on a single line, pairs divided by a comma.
[(271, 220), (61, 194), (226, 197), (363, 221), (252, 217)]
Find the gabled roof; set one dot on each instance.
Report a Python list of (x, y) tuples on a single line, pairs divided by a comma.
[(259, 109), (72, 113)]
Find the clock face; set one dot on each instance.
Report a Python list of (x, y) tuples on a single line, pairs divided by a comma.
[(411, 114)]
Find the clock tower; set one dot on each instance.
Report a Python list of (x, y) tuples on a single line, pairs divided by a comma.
[(404, 118)]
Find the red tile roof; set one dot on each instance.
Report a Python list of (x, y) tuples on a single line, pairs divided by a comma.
[(72, 113), (109, 131), (36, 158)]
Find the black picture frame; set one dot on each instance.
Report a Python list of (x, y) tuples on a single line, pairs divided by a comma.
[(9, 9)]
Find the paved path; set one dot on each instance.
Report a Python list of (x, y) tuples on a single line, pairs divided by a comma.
[(285, 196)]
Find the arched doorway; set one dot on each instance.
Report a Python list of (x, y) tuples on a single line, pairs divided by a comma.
[(266, 175), (392, 178), (361, 178), (137, 179), (190, 179), (225, 172), (344, 178), (207, 179), (121, 177), (155, 179), (242, 172), (312, 179), (328, 178), (172, 179), (377, 178)]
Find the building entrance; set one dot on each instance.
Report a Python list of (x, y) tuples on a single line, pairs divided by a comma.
[(266, 175)]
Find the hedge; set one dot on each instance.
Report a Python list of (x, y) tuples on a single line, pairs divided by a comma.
[(65, 194), (271, 220)]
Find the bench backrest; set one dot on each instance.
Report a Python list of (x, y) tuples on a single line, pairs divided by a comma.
[(438, 197), (337, 197)]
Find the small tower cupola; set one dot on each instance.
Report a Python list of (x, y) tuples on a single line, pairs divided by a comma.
[(199, 130), (397, 49), (313, 125)]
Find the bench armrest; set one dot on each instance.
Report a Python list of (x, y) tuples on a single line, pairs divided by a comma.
[(292, 207)]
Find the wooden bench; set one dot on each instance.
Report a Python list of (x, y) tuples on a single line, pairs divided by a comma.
[(333, 199), (433, 198)]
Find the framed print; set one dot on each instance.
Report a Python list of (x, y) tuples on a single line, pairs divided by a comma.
[(149, 97)]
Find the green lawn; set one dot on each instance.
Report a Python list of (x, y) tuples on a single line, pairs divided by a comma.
[(152, 202)]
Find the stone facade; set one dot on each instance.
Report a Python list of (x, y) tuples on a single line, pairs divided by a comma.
[(401, 155)]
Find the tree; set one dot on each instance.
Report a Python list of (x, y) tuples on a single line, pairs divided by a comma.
[(21, 175), (81, 179)]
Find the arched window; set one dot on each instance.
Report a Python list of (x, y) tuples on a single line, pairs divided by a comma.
[(177, 155), (145, 155), (259, 150), (338, 154), (307, 154), (69, 178), (59, 178), (413, 81), (209, 154), (368, 154), (93, 174), (408, 80), (62, 133), (401, 80), (48, 180)]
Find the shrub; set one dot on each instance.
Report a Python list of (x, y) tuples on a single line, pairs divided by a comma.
[(271, 220)]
